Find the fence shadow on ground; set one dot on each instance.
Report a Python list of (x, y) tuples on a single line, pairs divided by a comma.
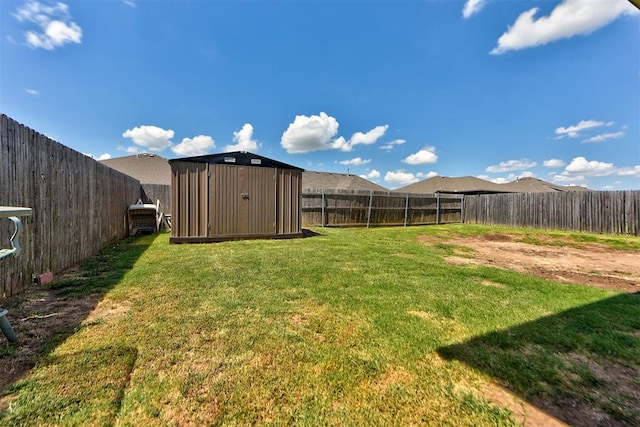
[(580, 365), (45, 317)]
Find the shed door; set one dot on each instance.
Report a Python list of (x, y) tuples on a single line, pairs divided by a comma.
[(242, 200), (257, 200)]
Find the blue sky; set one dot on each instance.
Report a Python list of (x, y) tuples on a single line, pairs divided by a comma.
[(395, 91)]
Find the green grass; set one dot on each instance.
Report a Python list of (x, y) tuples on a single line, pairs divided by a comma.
[(351, 327)]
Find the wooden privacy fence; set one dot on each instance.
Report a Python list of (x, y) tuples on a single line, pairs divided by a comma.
[(353, 208), (151, 193), (79, 205), (612, 212)]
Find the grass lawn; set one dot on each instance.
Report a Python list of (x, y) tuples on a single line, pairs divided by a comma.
[(350, 327)]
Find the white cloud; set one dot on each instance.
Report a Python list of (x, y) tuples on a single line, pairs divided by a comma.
[(309, 133), (604, 136), (130, 149), (370, 137), (55, 27), (32, 91), (389, 145), (509, 178), (581, 166), (374, 174), (360, 138), (196, 146), (471, 7), (313, 133), (630, 171), (243, 140), (569, 18), (355, 162), (424, 156), (511, 165), (574, 131), (152, 138), (104, 156), (400, 177), (422, 175), (569, 179), (553, 163), (499, 180), (130, 3)]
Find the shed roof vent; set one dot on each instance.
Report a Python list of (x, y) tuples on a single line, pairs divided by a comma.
[(256, 161), (230, 159)]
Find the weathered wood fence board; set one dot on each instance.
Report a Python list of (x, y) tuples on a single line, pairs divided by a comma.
[(611, 212), (151, 193), (356, 208), (79, 205)]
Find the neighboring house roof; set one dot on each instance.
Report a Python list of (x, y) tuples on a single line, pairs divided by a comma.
[(146, 168), (473, 185), (337, 181), (238, 158), (154, 169), (534, 185)]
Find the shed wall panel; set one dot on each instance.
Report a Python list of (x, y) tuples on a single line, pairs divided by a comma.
[(289, 189), (190, 197)]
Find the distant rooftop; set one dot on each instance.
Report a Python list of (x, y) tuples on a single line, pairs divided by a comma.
[(146, 168), (337, 181), (473, 185), (154, 169)]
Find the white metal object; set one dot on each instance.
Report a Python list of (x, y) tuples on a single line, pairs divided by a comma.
[(13, 213), (142, 218)]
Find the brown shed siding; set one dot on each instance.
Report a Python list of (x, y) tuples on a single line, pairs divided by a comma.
[(213, 202), (289, 184), (190, 195)]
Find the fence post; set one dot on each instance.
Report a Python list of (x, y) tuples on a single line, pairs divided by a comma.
[(462, 209), (369, 213), (406, 210), (323, 210), (437, 208)]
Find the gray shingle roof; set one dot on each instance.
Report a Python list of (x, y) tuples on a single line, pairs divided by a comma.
[(336, 181), (473, 185), (146, 168)]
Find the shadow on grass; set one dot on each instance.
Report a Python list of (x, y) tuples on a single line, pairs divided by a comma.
[(96, 397), (580, 365), (45, 317), (309, 233)]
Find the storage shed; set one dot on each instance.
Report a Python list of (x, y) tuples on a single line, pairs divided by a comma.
[(236, 195)]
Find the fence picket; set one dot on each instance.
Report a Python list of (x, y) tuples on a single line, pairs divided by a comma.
[(614, 212)]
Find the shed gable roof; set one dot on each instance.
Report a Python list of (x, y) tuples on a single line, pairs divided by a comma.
[(237, 158)]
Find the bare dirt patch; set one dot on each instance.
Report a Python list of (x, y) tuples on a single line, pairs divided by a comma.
[(586, 264), (38, 316), (590, 264)]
